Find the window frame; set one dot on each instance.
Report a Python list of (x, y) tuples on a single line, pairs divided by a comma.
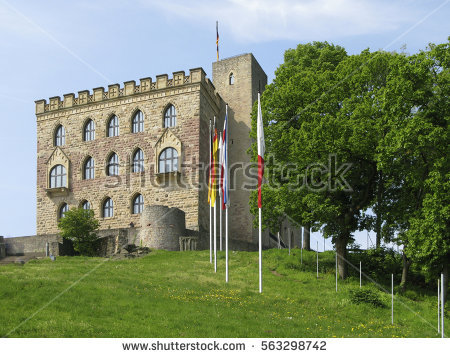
[(85, 203), (89, 131), (108, 208), (90, 169), (170, 116), (173, 164), (114, 164), (139, 205), (60, 178), (63, 209), (138, 164), (113, 127), (60, 136), (137, 123)]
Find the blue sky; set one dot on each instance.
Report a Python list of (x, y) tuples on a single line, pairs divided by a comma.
[(49, 48)]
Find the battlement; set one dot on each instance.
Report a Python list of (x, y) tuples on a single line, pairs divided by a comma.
[(196, 75)]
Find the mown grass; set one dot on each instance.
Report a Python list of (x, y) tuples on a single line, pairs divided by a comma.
[(178, 294)]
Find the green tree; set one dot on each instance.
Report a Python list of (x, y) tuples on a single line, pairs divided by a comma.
[(324, 119), (414, 153), (79, 225)]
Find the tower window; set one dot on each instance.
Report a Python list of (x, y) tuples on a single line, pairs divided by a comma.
[(113, 127), (89, 168), (89, 131), (170, 117), (138, 161), (60, 136), (58, 177), (231, 79), (138, 204), (113, 165), (108, 208), (138, 122), (168, 160)]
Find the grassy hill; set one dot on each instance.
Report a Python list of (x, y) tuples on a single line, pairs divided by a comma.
[(178, 294)]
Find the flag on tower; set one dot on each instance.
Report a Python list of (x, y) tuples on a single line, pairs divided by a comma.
[(217, 39), (261, 150)]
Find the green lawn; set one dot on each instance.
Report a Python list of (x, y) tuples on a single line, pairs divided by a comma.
[(177, 294)]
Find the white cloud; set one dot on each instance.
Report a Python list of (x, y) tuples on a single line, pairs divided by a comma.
[(266, 20)]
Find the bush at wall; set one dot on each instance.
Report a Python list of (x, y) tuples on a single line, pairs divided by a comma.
[(79, 225)]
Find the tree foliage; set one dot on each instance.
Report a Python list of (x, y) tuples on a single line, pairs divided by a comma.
[(79, 225), (345, 134)]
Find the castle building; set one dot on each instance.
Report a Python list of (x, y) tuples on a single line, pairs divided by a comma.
[(119, 150)]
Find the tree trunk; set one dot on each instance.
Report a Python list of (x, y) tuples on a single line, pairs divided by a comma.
[(307, 237), (405, 269), (341, 249), (379, 210)]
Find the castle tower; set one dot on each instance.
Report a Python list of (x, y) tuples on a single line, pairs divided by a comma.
[(237, 79)]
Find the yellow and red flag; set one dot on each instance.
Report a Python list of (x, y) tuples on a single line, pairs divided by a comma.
[(212, 190)]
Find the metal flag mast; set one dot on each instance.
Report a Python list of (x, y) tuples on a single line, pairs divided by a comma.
[(220, 190), (209, 194), (215, 202), (261, 149), (225, 189)]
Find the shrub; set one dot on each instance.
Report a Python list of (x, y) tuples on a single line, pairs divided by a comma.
[(79, 226), (366, 295)]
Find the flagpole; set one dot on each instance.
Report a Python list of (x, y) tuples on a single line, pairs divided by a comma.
[(215, 235), (226, 243), (227, 194), (261, 150), (210, 202), (220, 194), (260, 253), (215, 206)]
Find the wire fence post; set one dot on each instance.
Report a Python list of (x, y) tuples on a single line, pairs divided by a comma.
[(439, 308), (442, 305), (336, 271), (392, 299), (301, 249), (317, 254), (289, 239), (359, 273)]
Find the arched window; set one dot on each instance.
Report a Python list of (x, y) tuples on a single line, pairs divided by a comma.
[(63, 210), (138, 204), (60, 136), (108, 208), (138, 161), (89, 130), (168, 160), (89, 168), (231, 79), (138, 122), (170, 117), (58, 177), (113, 165), (113, 127), (86, 205)]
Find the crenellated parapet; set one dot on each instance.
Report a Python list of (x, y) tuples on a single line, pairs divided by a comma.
[(130, 88)]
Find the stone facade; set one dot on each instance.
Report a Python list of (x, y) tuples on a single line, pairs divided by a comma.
[(196, 101)]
